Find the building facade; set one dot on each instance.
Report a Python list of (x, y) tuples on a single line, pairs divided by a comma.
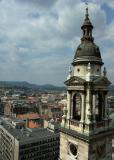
[(86, 131), (19, 143)]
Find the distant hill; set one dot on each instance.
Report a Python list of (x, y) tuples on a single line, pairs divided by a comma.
[(45, 87), (27, 85)]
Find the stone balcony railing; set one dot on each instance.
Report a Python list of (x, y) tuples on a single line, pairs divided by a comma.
[(104, 123), (74, 123), (98, 125)]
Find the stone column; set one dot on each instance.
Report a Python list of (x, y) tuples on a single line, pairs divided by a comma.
[(68, 104), (88, 106), (71, 108), (107, 122), (103, 105), (82, 107), (106, 107), (86, 32), (94, 108), (71, 105)]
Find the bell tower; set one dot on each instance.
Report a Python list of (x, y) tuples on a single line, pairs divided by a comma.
[(86, 131)]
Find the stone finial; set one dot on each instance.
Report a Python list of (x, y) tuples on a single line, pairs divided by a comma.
[(70, 72), (104, 72), (89, 66)]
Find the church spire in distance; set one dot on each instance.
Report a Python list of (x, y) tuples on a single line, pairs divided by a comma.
[(87, 28)]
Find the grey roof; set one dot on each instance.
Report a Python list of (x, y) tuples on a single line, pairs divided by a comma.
[(30, 134), (101, 81), (87, 48), (26, 134), (87, 51)]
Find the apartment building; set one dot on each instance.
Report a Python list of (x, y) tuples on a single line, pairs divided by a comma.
[(20, 143)]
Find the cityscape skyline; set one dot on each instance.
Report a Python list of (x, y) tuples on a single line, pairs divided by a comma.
[(43, 43), (38, 39)]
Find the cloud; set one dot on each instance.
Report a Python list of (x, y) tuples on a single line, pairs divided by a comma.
[(109, 60), (109, 3), (38, 3), (38, 39)]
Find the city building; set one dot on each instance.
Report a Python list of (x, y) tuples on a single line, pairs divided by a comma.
[(33, 120), (86, 130), (20, 143), (15, 107), (56, 114)]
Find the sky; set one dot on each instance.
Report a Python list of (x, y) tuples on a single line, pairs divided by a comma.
[(38, 38)]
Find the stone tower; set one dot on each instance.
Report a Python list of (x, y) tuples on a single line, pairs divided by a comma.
[(86, 131)]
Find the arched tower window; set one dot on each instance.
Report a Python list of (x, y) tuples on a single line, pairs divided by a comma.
[(77, 107), (99, 107)]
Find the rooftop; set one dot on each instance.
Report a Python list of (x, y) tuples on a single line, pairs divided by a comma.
[(24, 134), (29, 116)]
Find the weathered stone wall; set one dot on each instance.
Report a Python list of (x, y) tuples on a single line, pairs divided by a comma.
[(64, 148), (100, 148)]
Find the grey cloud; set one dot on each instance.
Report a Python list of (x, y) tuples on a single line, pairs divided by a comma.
[(110, 3), (39, 3), (34, 45)]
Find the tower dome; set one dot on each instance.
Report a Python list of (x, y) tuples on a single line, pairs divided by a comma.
[(87, 51)]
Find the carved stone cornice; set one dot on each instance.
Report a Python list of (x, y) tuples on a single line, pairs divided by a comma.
[(74, 81), (101, 81)]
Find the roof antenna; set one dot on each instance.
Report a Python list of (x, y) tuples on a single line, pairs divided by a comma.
[(104, 72)]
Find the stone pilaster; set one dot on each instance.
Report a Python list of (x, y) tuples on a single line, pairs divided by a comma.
[(68, 104), (71, 109), (82, 108), (94, 110), (106, 107), (88, 106)]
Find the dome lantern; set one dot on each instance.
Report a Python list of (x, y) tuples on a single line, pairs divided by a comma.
[(87, 28)]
